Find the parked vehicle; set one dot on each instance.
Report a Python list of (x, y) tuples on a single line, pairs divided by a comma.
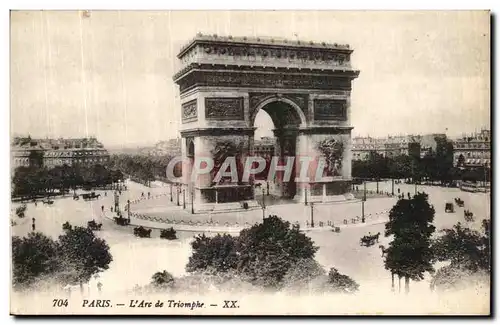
[(448, 208)]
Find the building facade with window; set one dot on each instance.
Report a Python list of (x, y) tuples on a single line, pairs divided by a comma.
[(57, 152), (390, 146), (473, 150)]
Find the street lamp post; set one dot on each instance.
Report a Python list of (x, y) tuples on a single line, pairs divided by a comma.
[(305, 196), (363, 211), (312, 214), (393, 187), (363, 203), (263, 205), (183, 198), (117, 203), (178, 194), (171, 198), (192, 201), (485, 175), (128, 210), (414, 178)]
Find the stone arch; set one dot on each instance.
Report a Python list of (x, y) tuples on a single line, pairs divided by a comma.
[(278, 99)]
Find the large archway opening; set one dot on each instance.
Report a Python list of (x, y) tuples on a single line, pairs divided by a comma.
[(277, 122)]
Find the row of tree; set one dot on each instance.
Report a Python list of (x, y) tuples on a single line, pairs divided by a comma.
[(432, 167), (34, 181), (71, 259), (141, 168), (413, 251)]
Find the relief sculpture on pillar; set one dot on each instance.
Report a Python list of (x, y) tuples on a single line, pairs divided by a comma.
[(332, 150), (221, 151)]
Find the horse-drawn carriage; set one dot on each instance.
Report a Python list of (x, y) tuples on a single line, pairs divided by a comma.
[(48, 201), (369, 240), (448, 208), (92, 225), (67, 226), (142, 232), (468, 216), (459, 202), (90, 196), (121, 221)]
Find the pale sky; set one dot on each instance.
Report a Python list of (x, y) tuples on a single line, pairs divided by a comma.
[(109, 75)]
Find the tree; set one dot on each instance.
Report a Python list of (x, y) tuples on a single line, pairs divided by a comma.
[(409, 254), (467, 251), (263, 254), (444, 158), (485, 262), (218, 252), (21, 210), (32, 257), (82, 254), (341, 283), (400, 166), (162, 280), (461, 246), (302, 274), (267, 250)]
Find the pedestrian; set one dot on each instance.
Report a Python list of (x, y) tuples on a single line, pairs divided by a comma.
[(33, 227), (35, 203), (142, 194), (399, 190), (149, 195), (111, 208), (102, 208), (105, 193)]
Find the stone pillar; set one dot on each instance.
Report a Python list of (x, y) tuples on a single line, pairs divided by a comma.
[(187, 163), (203, 149), (302, 151)]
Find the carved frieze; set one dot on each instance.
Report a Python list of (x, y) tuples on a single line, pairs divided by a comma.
[(330, 109), (332, 57), (190, 111), (224, 108), (264, 80)]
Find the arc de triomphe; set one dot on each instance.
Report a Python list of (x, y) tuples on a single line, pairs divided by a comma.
[(305, 88)]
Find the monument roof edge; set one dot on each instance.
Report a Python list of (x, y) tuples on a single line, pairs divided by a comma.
[(263, 41)]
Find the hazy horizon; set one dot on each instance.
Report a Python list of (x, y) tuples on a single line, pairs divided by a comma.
[(109, 74)]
